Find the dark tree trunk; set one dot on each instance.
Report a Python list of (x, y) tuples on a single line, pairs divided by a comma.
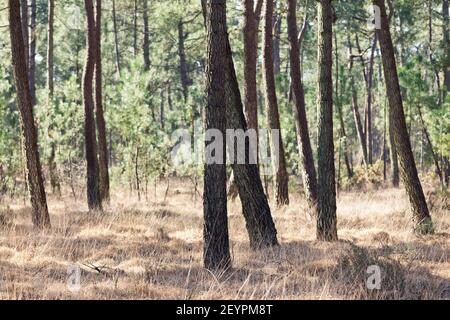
[(255, 207), (273, 117), (93, 183), (146, 48), (446, 34), (216, 254), (251, 19), (25, 33), (326, 218), (99, 117), (33, 37), (116, 39), (40, 216), (301, 122), (277, 20), (408, 170)]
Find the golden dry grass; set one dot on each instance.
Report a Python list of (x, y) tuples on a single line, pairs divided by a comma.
[(153, 250)]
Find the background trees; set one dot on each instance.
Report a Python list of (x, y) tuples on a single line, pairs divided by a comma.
[(153, 82)]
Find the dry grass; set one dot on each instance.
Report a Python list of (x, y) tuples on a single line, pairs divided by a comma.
[(153, 250)]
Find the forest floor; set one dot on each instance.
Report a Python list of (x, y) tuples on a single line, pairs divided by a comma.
[(153, 250)]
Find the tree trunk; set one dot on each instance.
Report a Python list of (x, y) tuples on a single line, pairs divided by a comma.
[(25, 34), (184, 76), (446, 34), (342, 132), (33, 38), (277, 19), (116, 39), (355, 108), (50, 49), (146, 49), (93, 183), (250, 63), (40, 216), (326, 219), (135, 29), (255, 207), (369, 136), (216, 253), (301, 122), (99, 117), (273, 117), (408, 170)]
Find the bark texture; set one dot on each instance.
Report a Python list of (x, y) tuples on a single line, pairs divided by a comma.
[(301, 122), (408, 170), (99, 117), (278, 158), (40, 216), (326, 218), (93, 183), (216, 253)]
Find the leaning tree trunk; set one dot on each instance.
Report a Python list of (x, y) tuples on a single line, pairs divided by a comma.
[(216, 253), (273, 117), (301, 122), (93, 183), (326, 218), (255, 207), (99, 117), (408, 170), (40, 216)]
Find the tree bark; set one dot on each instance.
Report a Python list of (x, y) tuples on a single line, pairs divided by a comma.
[(25, 33), (369, 135), (116, 39), (250, 63), (216, 253), (342, 132), (273, 117), (146, 49), (446, 34), (408, 170), (99, 116), (93, 183), (355, 108), (33, 38), (301, 122), (184, 76), (255, 207), (40, 216), (277, 20), (326, 218)]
